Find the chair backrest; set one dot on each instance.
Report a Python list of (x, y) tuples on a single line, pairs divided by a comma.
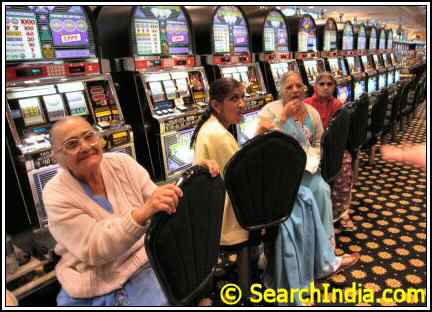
[(263, 178), (378, 113), (358, 124), (183, 247), (333, 145)]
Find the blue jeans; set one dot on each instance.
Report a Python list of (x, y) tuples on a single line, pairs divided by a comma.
[(142, 289)]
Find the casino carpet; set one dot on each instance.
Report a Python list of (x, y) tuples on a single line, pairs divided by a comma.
[(389, 210)]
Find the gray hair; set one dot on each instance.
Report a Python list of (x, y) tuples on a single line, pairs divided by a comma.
[(325, 75), (53, 131), (286, 76)]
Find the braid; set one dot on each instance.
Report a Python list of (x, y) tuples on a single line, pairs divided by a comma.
[(219, 90)]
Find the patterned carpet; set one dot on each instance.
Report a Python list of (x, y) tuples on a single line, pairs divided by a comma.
[(389, 210)]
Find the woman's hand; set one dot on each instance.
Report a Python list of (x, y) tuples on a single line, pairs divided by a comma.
[(212, 166), (291, 109), (264, 125), (164, 198)]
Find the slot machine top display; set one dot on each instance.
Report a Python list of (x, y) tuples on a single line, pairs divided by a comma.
[(360, 39), (347, 40), (329, 39), (48, 42), (275, 39), (307, 38), (161, 38), (230, 44), (372, 40)]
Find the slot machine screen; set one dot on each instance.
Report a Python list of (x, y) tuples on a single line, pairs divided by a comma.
[(178, 153), (178, 37), (221, 38), (334, 66), (147, 36), (307, 35), (361, 43), (397, 76), (31, 111), (351, 64), (390, 77), (372, 84), (170, 89), (269, 40), (372, 43), (382, 81), (157, 91), (311, 70), (393, 58), (343, 93), (275, 33), (330, 40), (382, 40), (22, 37), (229, 26), (359, 89), (365, 62), (54, 106), (182, 87), (387, 60), (77, 103), (241, 42), (247, 127), (342, 65), (376, 60), (348, 37)]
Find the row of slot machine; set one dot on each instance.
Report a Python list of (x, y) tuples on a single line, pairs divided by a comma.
[(141, 76)]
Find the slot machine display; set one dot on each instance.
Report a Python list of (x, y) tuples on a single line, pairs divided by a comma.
[(354, 61), (271, 43), (229, 53), (368, 62), (333, 52), (52, 71), (162, 86), (379, 60), (389, 61), (304, 42)]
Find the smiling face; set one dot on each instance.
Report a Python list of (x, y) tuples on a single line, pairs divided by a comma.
[(229, 111), (86, 155)]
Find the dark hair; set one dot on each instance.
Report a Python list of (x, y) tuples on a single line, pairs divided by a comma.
[(220, 89)]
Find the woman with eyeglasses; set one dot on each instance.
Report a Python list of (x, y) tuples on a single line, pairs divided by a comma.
[(304, 238), (327, 105), (98, 208)]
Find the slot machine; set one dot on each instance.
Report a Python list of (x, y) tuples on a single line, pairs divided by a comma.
[(354, 61), (53, 70), (270, 42), (333, 55), (304, 42), (368, 62), (387, 58), (163, 88), (391, 60), (379, 60), (229, 56)]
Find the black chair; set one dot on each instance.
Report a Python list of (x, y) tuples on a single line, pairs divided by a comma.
[(377, 123), (358, 130), (183, 247), (262, 180), (333, 145)]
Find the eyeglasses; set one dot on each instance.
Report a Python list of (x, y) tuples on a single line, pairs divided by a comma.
[(72, 145), (328, 84)]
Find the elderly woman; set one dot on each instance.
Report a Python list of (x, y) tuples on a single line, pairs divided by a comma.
[(292, 116), (327, 105), (98, 206), (302, 250)]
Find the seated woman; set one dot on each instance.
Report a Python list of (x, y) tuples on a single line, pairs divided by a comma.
[(327, 105), (98, 206), (303, 249), (302, 122)]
